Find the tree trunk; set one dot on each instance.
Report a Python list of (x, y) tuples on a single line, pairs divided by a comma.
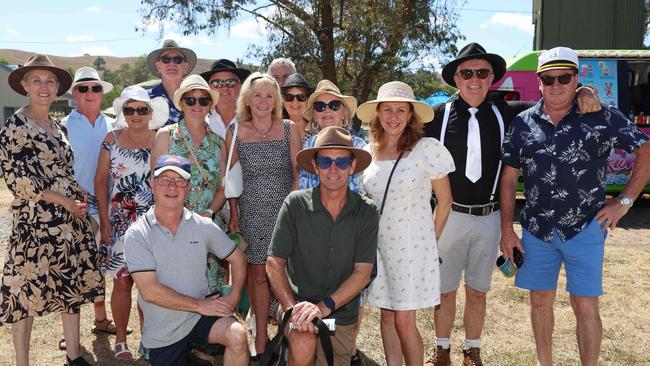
[(325, 32)]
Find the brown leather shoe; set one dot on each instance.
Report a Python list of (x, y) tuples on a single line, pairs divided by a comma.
[(439, 358), (472, 357)]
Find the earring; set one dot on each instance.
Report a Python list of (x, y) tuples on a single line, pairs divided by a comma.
[(345, 124)]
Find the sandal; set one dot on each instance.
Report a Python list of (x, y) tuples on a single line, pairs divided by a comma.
[(122, 351), (79, 361), (107, 326)]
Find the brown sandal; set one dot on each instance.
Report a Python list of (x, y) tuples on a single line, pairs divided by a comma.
[(107, 326)]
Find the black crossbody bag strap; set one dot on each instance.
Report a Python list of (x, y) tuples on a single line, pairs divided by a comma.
[(383, 201)]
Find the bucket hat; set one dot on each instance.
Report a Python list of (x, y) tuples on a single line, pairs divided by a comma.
[(192, 82), (226, 65), (333, 137), (328, 87), (171, 45), (89, 75), (159, 107), (474, 51), (39, 62), (395, 91)]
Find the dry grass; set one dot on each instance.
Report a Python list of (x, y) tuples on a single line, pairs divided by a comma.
[(507, 337)]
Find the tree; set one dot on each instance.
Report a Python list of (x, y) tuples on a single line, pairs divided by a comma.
[(4, 60), (356, 44), (129, 74), (99, 63)]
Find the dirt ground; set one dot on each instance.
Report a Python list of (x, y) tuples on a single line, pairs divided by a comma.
[(507, 338)]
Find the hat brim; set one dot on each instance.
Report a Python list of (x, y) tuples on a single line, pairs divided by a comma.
[(106, 86), (242, 74), (159, 114), (368, 110), (175, 169), (497, 62), (305, 156), (178, 94), (349, 101), (16, 76), (154, 55)]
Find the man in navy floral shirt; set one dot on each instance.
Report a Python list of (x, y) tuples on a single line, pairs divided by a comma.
[(563, 157)]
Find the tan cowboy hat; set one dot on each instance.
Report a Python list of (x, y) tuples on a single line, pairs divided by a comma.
[(171, 45), (333, 137), (159, 107), (395, 91), (327, 87), (39, 62), (192, 82)]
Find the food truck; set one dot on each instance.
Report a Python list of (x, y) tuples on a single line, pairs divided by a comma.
[(622, 79)]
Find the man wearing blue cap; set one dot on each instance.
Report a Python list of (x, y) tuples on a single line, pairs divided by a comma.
[(563, 157)]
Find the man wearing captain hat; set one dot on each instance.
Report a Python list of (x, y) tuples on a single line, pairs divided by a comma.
[(563, 157)]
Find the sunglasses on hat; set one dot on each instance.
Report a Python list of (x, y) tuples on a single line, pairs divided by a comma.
[(290, 97), (221, 83), (203, 101), (334, 105), (549, 80), (324, 162), (467, 74), (167, 59), (86, 88), (142, 111)]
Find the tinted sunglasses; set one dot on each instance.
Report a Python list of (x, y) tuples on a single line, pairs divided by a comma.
[(324, 162), (178, 182), (549, 80), (94, 88), (467, 74), (167, 59), (334, 105), (203, 101), (142, 111), (290, 97), (220, 83)]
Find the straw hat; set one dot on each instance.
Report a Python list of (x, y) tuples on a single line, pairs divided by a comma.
[(327, 87), (39, 62), (474, 51), (171, 45), (333, 137), (159, 107), (395, 91), (190, 83), (89, 75)]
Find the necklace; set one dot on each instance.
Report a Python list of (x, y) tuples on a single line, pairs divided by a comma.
[(260, 132)]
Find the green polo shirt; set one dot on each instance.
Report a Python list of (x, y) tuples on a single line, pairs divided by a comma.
[(321, 252)]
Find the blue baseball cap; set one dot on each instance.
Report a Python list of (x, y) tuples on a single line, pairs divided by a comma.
[(174, 163)]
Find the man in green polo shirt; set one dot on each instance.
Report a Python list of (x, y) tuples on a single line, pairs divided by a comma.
[(323, 249)]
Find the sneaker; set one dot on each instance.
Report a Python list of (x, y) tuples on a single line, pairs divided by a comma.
[(441, 357), (472, 357), (356, 359)]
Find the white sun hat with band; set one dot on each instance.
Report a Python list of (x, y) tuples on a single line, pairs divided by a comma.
[(395, 91), (159, 107), (558, 58), (89, 75)]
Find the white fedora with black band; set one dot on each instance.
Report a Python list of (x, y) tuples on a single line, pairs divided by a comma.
[(89, 75)]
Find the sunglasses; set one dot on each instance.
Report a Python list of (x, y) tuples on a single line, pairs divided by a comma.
[(334, 105), (167, 59), (290, 97), (142, 111), (467, 74), (221, 83), (549, 80), (203, 101), (86, 88), (324, 162), (177, 182)]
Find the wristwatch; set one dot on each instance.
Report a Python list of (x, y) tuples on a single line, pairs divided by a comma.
[(329, 302), (625, 201), (210, 211)]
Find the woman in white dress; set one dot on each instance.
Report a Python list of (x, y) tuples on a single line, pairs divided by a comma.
[(408, 276)]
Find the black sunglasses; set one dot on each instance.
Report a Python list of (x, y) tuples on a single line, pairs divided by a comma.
[(94, 88), (549, 80), (142, 111), (167, 59), (290, 97), (334, 105), (203, 101), (467, 74), (220, 83), (324, 162)]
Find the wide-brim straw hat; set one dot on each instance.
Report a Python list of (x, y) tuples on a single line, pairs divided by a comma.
[(328, 87), (395, 91), (190, 83), (159, 107), (89, 75), (225, 65), (171, 45), (474, 51), (39, 62), (333, 137)]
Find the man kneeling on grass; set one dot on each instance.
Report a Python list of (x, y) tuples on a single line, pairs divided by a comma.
[(165, 251)]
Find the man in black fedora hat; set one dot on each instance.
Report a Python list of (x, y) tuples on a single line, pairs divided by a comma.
[(226, 78), (472, 129)]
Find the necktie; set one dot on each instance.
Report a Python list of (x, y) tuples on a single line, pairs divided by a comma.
[(473, 165)]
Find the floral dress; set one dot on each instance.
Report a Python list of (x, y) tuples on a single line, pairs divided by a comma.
[(130, 198), (51, 263), (201, 190)]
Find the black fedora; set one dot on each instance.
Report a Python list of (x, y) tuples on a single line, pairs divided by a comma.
[(474, 51), (226, 65), (297, 80)]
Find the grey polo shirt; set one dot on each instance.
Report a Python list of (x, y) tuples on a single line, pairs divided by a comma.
[(321, 252), (180, 262)]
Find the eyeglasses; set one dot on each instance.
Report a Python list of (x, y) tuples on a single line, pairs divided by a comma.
[(166, 181), (467, 74), (324, 162), (334, 105), (220, 83), (142, 111), (290, 97), (549, 80), (86, 88), (167, 59), (203, 101)]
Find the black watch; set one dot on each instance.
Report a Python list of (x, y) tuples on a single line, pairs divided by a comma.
[(330, 304)]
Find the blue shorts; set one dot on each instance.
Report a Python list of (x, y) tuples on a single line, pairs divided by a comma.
[(177, 353), (582, 256)]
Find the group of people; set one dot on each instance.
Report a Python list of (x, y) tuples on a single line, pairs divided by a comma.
[(325, 221)]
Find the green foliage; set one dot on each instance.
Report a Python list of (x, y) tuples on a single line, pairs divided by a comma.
[(129, 74), (109, 97), (3, 60)]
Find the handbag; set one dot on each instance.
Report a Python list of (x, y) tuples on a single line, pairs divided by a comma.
[(233, 180)]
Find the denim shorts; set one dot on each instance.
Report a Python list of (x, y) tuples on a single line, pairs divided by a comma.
[(582, 256)]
